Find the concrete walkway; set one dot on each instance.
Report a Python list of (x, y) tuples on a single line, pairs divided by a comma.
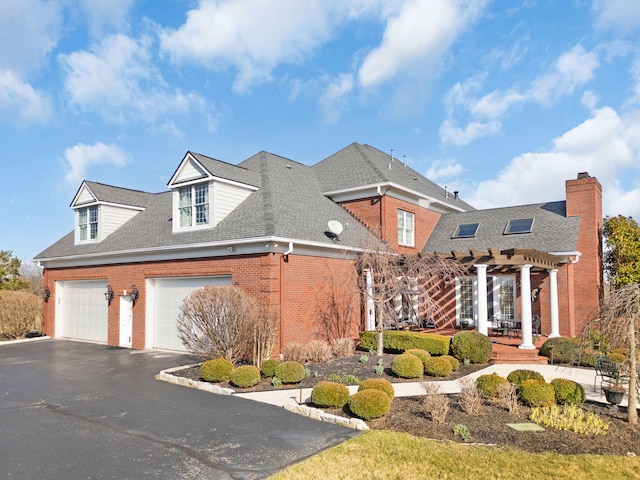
[(584, 376)]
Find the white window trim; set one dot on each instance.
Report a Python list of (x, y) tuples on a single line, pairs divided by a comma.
[(404, 232), (176, 208), (77, 235), (497, 279)]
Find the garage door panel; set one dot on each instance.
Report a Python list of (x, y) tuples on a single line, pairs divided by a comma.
[(84, 311), (169, 295)]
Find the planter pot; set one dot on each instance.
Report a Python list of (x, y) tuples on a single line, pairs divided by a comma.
[(614, 395)]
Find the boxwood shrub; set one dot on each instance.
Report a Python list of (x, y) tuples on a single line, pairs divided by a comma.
[(330, 394), (568, 392), (370, 403), (438, 367), (488, 384), (537, 393), (517, 377), (268, 367), (396, 341), (245, 376), (471, 346), (562, 349), (423, 355), (290, 372), (378, 384), (455, 364), (216, 370), (407, 366)]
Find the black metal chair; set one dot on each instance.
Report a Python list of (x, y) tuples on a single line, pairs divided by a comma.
[(609, 372)]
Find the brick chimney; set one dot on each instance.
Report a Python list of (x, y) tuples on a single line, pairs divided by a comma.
[(584, 199)]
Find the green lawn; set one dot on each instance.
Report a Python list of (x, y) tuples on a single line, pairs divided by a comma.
[(381, 454)]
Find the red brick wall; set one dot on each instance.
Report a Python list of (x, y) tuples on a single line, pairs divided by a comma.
[(291, 288), (584, 199)]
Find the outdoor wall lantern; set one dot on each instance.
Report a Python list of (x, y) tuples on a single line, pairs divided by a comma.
[(108, 295), (134, 294), (46, 293)]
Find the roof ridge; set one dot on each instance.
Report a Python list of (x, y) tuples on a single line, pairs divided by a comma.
[(267, 197), (119, 188), (364, 157)]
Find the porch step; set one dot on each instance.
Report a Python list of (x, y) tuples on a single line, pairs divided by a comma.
[(516, 356)]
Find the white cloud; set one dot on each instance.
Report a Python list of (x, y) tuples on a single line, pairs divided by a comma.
[(104, 15), (416, 38), (572, 70), (21, 103), (80, 157), (333, 97), (254, 36), (620, 16), (118, 80), (441, 169), (604, 145)]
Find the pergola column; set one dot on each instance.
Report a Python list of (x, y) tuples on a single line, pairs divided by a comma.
[(371, 307), (483, 312), (553, 300), (525, 304)]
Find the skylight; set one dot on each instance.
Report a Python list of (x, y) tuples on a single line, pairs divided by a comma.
[(466, 230), (521, 225)]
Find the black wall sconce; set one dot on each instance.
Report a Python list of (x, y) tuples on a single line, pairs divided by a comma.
[(46, 293), (134, 294), (108, 295)]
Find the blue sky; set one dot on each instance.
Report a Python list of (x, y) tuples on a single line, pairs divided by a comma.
[(502, 101)]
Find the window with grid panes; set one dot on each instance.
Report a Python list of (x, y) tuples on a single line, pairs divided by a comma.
[(405, 228)]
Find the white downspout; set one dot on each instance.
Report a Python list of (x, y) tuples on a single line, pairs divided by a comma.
[(290, 249)]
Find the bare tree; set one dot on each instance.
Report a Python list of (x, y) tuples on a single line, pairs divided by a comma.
[(264, 329), (619, 323), (385, 275), (336, 307), (31, 273), (216, 321)]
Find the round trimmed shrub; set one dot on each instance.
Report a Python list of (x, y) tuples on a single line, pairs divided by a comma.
[(438, 367), (568, 392), (407, 365), (216, 370), (471, 346), (290, 372), (423, 355), (245, 376), (537, 393), (378, 384), (488, 384), (268, 367), (455, 364), (562, 349), (330, 394), (370, 403), (517, 377)]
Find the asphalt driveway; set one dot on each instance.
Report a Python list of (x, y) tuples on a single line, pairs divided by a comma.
[(78, 410)]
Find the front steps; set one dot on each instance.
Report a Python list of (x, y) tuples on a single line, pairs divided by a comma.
[(506, 351)]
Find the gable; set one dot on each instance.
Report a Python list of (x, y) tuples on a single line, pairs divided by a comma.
[(84, 196), (188, 170)]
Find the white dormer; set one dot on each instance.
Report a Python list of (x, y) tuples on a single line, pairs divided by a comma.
[(96, 219), (202, 199)]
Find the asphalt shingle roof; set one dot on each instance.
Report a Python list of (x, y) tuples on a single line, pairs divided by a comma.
[(552, 230)]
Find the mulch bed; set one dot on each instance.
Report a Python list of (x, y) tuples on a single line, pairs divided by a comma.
[(489, 427)]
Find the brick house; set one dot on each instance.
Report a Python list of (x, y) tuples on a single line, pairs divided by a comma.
[(268, 225)]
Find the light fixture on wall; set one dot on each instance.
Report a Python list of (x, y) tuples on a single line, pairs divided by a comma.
[(134, 294), (108, 295), (46, 293)]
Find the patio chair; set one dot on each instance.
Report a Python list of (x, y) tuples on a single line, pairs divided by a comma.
[(609, 372), (498, 326), (535, 323)]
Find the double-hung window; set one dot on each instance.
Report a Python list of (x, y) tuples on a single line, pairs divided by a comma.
[(405, 228), (88, 223), (194, 205)]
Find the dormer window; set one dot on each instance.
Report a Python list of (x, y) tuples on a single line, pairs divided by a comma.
[(194, 205), (88, 223), (521, 225)]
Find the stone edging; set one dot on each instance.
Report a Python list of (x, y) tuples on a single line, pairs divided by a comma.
[(24, 340), (314, 413)]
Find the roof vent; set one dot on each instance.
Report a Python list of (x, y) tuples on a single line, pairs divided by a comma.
[(583, 175), (455, 194)]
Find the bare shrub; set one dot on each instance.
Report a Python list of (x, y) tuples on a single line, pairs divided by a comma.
[(435, 404), (343, 347), (470, 397), (264, 333), (508, 397), (294, 352), (217, 321), (318, 351), (19, 312), (336, 307)]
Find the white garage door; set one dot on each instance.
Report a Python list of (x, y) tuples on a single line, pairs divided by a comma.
[(82, 312), (169, 294)]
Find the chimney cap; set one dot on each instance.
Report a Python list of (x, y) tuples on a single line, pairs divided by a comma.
[(583, 175)]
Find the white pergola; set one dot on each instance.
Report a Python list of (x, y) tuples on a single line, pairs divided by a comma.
[(523, 261)]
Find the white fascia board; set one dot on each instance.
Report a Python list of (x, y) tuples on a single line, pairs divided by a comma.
[(212, 249), (393, 190), (188, 158), (568, 257), (80, 188)]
